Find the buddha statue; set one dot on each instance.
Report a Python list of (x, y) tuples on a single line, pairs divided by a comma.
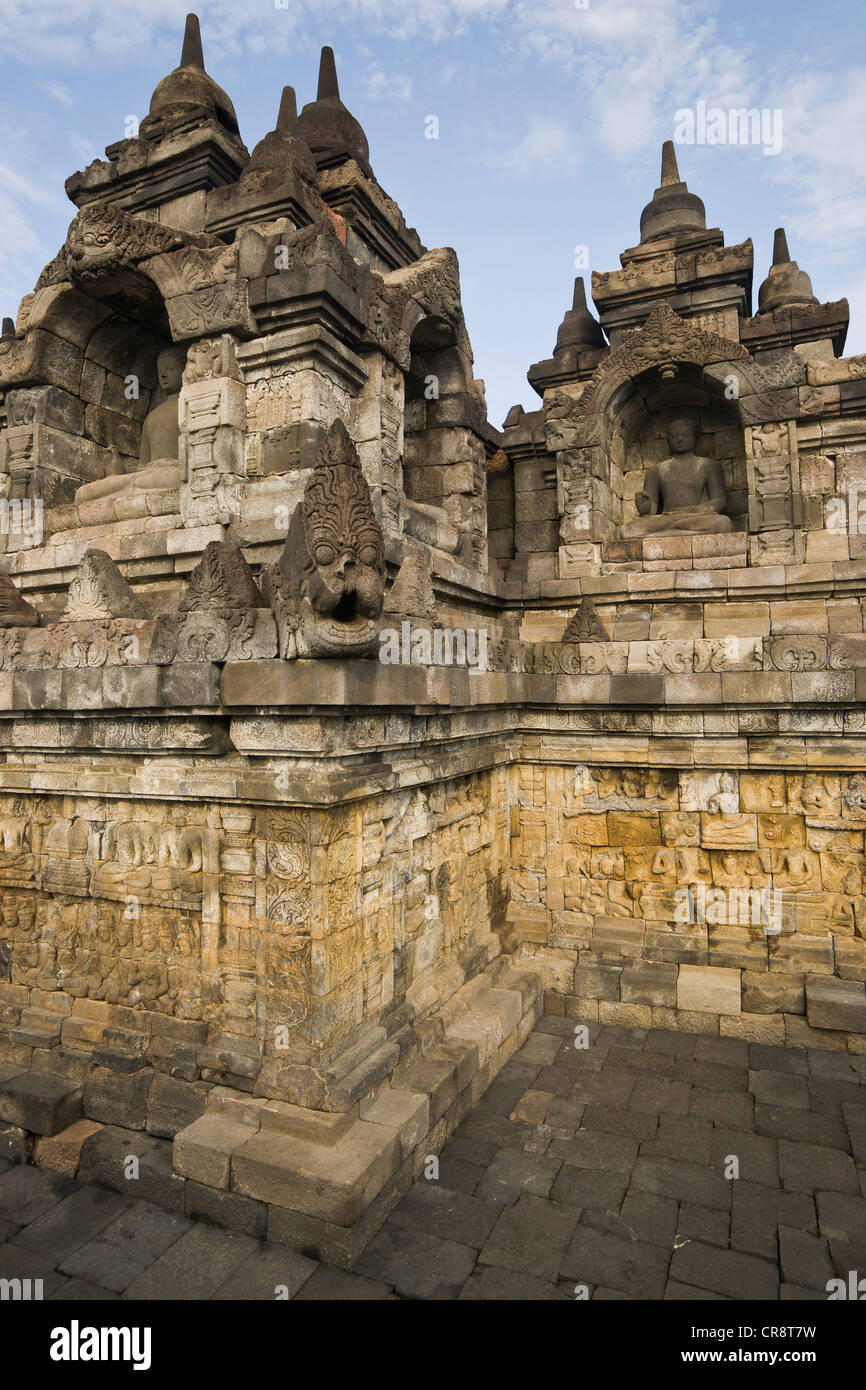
[(685, 492), (158, 465)]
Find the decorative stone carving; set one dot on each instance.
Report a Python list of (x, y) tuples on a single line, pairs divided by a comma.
[(99, 591), (221, 582), (585, 625), (327, 588), (411, 595)]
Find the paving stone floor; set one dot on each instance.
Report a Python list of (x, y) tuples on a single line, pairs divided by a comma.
[(602, 1167)]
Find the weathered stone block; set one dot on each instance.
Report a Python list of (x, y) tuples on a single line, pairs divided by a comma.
[(708, 989), (40, 1101), (832, 1003)]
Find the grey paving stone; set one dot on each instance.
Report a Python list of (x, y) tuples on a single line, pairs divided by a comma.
[(675, 1292), (591, 1188), (434, 1209), (17, 1263), (520, 1072), (487, 1128), (685, 1182), (336, 1285), (612, 1087), (602, 1295), (781, 1123), (106, 1265), (7, 1230), (531, 1237), (757, 1154), (629, 1266), (729, 1052), (673, 1044), (194, 1267), (513, 1172), (804, 1259), (837, 1066), (266, 1270), (727, 1272), (713, 1076), (795, 1293), (757, 1212), (793, 1060), (703, 1223), (841, 1215), (660, 1097), (418, 1265), (77, 1219), (592, 1149), (79, 1291), (778, 1088), (847, 1255), (494, 1284), (147, 1229), (655, 1064), (565, 1114), (558, 1080), (812, 1167), (727, 1108), (827, 1097), (458, 1175), (477, 1151), (502, 1096), (612, 1119), (26, 1193), (540, 1047), (682, 1136), (549, 1023), (650, 1218)]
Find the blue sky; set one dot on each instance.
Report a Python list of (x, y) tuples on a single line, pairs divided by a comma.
[(551, 118)]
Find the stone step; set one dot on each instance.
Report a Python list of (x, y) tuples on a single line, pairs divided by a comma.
[(40, 1101), (38, 1028)]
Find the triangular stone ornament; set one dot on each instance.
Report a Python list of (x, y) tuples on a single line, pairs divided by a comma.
[(15, 611), (222, 581), (586, 625), (411, 595), (99, 592)]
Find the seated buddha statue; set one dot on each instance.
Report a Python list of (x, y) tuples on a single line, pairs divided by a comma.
[(685, 492), (158, 464)]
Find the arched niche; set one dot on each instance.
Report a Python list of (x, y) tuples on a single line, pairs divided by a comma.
[(606, 438)]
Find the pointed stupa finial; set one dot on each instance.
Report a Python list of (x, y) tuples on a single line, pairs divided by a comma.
[(578, 331), (786, 286), (781, 255), (670, 172), (287, 120), (8, 330), (673, 210), (328, 86), (191, 55)]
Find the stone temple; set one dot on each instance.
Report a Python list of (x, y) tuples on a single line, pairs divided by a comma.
[(342, 732)]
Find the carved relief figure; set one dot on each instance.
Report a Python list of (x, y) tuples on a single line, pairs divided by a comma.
[(327, 589), (685, 492), (158, 465)]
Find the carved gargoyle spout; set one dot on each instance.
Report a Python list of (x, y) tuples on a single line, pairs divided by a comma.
[(327, 589)]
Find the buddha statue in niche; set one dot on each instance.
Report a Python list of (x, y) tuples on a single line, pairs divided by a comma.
[(158, 465), (685, 492)]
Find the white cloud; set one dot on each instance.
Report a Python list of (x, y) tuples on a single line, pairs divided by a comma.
[(546, 150), (379, 85)]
